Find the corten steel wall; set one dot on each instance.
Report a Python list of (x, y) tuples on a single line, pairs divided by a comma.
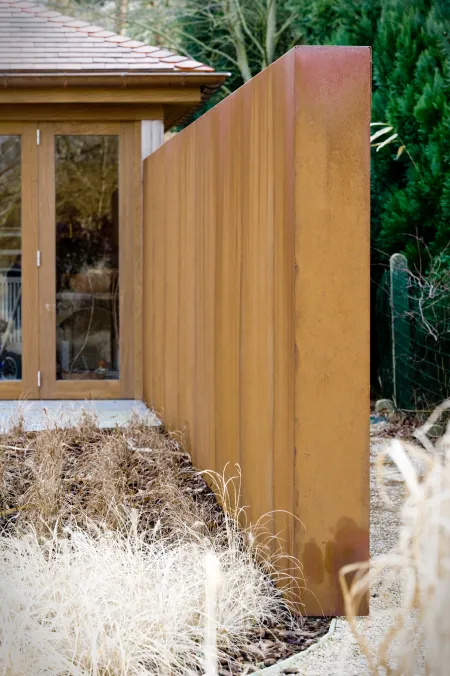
[(256, 300)]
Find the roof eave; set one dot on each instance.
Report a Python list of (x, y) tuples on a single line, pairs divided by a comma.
[(117, 78), (206, 84)]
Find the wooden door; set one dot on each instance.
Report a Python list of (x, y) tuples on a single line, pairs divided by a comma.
[(88, 261), (19, 298)]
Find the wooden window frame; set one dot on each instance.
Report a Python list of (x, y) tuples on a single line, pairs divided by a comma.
[(27, 387), (130, 267)]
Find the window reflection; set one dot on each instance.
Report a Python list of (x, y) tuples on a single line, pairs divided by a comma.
[(87, 257), (10, 259)]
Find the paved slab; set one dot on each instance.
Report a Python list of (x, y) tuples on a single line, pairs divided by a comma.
[(39, 415)]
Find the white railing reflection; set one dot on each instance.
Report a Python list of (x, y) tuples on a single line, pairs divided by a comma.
[(11, 309)]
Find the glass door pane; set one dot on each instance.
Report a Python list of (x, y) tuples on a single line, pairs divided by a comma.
[(87, 257), (10, 258)]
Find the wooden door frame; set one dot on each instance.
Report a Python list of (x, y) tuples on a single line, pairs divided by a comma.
[(129, 262), (27, 387)]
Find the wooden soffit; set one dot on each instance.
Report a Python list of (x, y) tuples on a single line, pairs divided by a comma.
[(53, 96)]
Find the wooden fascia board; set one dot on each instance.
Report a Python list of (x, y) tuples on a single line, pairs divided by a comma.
[(153, 95), (48, 112)]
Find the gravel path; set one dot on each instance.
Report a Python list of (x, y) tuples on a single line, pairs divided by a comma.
[(340, 655)]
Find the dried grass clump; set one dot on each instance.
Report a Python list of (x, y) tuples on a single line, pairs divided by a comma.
[(119, 604), (419, 639), (104, 557)]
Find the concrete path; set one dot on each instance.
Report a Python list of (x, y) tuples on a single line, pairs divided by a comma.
[(39, 415)]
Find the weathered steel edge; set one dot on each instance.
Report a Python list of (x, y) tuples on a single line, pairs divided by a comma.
[(332, 85)]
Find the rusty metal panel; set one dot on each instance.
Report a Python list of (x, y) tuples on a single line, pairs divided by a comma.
[(256, 244), (331, 315)]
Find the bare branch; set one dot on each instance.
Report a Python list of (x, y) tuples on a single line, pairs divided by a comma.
[(271, 30), (122, 19), (174, 43), (285, 26), (239, 45), (248, 32)]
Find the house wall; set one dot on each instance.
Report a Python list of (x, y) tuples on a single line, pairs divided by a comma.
[(256, 301)]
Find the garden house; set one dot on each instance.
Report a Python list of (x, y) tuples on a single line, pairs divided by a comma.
[(80, 109)]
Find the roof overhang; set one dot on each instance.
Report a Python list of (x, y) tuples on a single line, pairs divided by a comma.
[(180, 94)]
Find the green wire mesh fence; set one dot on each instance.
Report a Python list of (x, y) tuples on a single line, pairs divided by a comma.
[(413, 327)]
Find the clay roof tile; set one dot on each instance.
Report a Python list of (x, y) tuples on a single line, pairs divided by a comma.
[(60, 42)]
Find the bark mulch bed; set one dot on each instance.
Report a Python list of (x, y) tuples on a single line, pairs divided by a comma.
[(274, 644), (59, 476)]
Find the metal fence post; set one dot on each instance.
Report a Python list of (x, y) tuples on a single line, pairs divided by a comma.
[(401, 339)]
